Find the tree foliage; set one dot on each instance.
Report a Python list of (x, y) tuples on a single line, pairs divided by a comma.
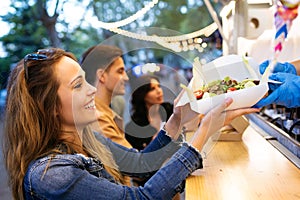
[(39, 23)]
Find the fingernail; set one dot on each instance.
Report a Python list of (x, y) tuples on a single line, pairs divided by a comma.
[(227, 99)]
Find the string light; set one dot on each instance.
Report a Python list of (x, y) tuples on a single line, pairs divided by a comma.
[(176, 43), (207, 31), (110, 25), (179, 43)]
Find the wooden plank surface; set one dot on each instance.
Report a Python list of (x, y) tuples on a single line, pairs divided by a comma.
[(245, 170)]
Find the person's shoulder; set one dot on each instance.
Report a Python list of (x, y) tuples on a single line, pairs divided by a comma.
[(50, 160), (53, 164), (53, 172)]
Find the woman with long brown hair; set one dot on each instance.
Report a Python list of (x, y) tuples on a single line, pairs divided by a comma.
[(51, 153)]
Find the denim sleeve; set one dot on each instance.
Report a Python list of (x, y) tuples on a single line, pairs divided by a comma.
[(65, 180), (177, 169), (142, 164)]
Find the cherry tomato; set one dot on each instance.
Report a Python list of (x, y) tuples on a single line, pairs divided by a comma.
[(198, 94), (231, 89)]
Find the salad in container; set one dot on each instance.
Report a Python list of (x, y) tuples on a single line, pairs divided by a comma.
[(228, 76)]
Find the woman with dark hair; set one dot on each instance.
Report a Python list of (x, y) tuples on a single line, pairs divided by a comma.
[(148, 111)]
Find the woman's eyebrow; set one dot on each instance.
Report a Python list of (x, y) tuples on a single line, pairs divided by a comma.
[(78, 77)]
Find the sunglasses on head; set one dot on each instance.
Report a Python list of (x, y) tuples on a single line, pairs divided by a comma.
[(39, 55)]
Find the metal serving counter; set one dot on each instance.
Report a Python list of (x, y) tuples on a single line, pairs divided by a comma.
[(281, 140)]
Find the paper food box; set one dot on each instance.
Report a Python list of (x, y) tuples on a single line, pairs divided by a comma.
[(234, 66), (233, 131)]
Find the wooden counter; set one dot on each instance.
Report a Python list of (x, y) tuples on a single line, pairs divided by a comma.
[(245, 170)]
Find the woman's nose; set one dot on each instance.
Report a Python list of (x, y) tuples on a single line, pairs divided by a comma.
[(159, 90), (92, 90), (125, 77)]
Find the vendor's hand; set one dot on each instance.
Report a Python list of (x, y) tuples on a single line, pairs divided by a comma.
[(286, 94), (279, 67), (215, 119)]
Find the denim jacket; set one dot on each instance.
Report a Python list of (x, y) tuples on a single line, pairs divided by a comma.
[(75, 176)]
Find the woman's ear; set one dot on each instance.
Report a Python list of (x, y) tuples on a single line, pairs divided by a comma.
[(100, 76)]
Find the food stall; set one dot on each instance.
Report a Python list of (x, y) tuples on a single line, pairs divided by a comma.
[(263, 160), (250, 30)]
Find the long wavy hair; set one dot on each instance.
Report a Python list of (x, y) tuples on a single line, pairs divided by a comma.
[(33, 124)]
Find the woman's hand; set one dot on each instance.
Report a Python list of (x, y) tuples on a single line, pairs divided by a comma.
[(181, 115), (184, 113), (215, 120)]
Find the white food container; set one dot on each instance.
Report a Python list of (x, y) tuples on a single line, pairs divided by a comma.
[(236, 68)]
